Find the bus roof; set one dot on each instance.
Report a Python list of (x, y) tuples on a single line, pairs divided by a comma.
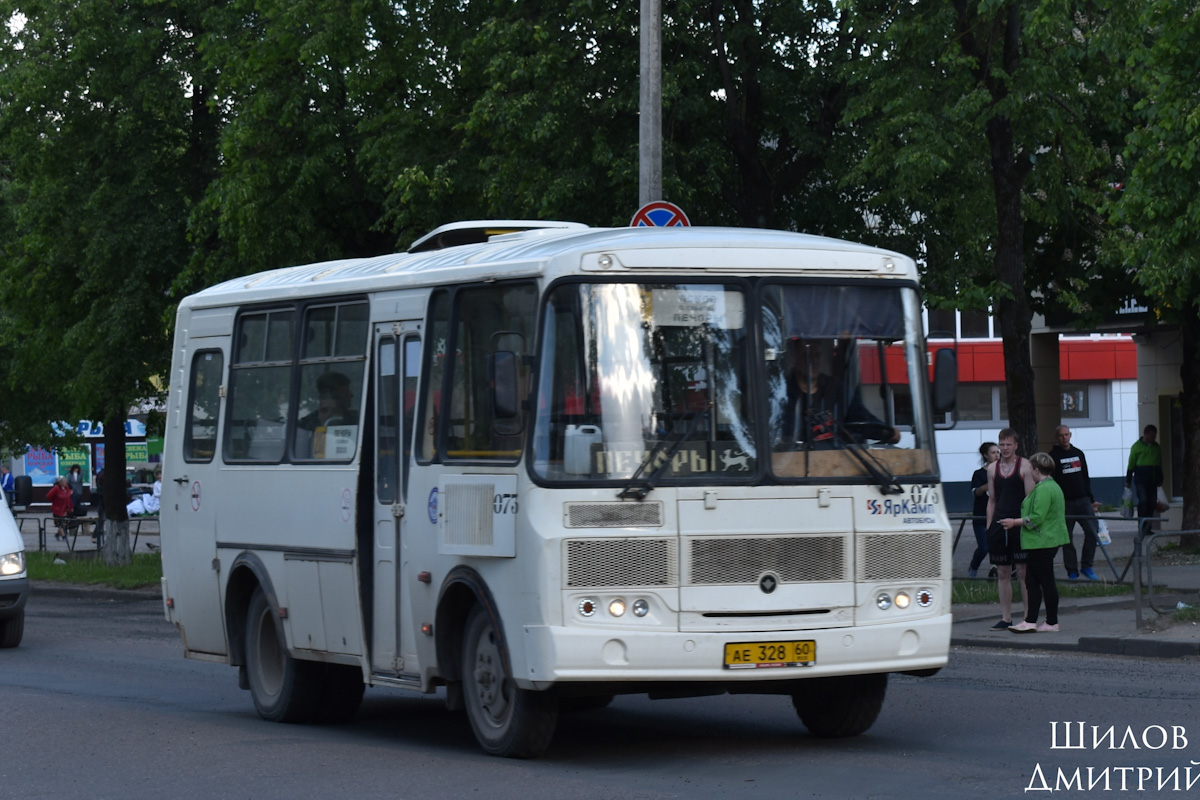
[(554, 251)]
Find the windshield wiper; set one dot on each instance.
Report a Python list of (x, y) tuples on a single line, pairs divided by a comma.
[(638, 490)]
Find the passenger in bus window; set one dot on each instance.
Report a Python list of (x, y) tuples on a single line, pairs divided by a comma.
[(818, 403), (335, 403)]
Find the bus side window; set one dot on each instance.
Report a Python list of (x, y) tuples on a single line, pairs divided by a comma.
[(332, 366), (430, 416), (259, 385), (204, 406), (488, 320)]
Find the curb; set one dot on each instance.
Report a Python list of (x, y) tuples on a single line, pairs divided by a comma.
[(93, 592), (1104, 645), (1165, 648)]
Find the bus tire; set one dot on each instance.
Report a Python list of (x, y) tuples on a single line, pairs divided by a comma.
[(845, 705), (11, 630), (341, 694), (284, 689), (507, 721)]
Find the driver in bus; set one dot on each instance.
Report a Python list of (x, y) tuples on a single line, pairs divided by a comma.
[(817, 403)]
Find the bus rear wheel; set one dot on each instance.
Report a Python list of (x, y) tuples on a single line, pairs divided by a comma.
[(845, 705), (507, 721), (284, 689)]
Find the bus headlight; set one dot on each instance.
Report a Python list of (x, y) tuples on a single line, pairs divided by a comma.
[(587, 607), (902, 600), (640, 608), (925, 598), (616, 608), (12, 564), (883, 600)]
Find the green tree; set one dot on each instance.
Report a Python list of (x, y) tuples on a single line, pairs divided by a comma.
[(1157, 216), (289, 90), (530, 109), (106, 138), (992, 124)]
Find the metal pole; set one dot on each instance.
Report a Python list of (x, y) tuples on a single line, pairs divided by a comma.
[(1136, 562), (650, 105)]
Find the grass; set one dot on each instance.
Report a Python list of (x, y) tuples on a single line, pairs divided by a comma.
[(146, 570), (1188, 614), (977, 591)]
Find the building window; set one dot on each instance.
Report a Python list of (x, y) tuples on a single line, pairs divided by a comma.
[(982, 402), (952, 324), (975, 325), (941, 323), (1085, 401), (985, 405)]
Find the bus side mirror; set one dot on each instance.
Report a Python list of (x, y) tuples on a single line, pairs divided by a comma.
[(504, 376), (23, 490), (945, 380)]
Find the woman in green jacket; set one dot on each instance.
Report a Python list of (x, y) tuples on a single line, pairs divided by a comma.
[(1043, 525)]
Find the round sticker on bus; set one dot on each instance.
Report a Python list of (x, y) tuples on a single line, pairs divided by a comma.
[(433, 505)]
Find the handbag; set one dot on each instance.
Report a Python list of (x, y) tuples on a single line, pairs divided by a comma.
[(1127, 503), (1102, 534), (1163, 503)]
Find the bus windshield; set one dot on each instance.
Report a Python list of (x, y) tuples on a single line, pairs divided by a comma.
[(661, 382)]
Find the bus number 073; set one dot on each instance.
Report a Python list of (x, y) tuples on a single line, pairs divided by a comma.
[(504, 504)]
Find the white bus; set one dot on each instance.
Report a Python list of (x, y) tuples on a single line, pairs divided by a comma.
[(557, 465)]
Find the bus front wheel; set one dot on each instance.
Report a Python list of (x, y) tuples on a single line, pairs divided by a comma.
[(507, 721), (845, 705), (11, 630), (284, 689)]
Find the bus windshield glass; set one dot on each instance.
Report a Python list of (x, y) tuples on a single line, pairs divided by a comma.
[(845, 385), (645, 378), (650, 383)]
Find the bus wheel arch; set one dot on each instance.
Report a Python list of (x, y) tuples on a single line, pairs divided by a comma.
[(462, 590), (245, 575)]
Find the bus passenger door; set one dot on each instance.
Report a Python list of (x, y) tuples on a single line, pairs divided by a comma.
[(189, 501), (397, 364)]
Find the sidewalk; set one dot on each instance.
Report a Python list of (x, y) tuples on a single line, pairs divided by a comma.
[(1095, 624)]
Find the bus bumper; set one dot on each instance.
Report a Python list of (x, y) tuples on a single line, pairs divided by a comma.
[(566, 654)]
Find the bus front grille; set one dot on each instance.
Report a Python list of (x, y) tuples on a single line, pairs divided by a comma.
[(899, 556), (601, 563), (744, 560)]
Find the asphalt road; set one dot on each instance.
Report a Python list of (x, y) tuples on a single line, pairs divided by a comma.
[(98, 702)]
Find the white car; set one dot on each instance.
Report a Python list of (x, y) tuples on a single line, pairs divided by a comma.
[(14, 581)]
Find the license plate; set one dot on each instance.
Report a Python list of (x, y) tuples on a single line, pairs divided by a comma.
[(765, 655)]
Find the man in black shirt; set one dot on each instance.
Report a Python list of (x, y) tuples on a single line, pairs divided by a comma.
[(1071, 473), (1010, 479)]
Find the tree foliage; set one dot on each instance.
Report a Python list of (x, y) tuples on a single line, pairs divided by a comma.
[(1157, 216), (990, 130), (104, 152), (151, 147)]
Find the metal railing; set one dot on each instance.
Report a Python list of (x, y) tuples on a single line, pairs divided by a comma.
[(965, 518), (1147, 538), (75, 524)]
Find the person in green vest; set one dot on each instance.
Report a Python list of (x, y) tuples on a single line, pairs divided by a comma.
[(1145, 473), (1043, 524)]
